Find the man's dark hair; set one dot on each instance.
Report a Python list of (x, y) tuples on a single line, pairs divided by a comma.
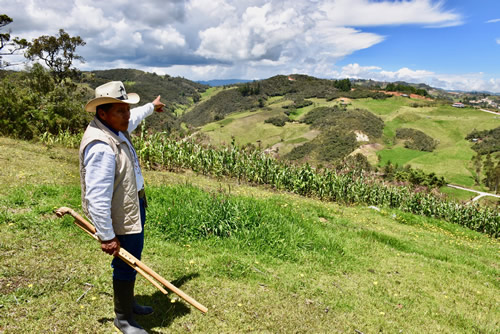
[(104, 107)]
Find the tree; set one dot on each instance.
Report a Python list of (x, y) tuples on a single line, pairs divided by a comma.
[(491, 173), (344, 85), (495, 181), (31, 104), (9, 47), (58, 53), (478, 163)]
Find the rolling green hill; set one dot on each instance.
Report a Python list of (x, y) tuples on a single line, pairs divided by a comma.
[(441, 123), (295, 117), (448, 125)]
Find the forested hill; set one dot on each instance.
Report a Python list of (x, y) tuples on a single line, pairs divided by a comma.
[(252, 95), (174, 91)]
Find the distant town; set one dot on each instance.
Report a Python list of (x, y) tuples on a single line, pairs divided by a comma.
[(481, 103)]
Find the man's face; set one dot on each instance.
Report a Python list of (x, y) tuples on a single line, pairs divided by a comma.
[(117, 117)]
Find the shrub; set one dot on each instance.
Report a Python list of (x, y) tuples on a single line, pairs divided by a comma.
[(344, 85), (406, 89), (277, 121), (407, 174), (345, 120), (416, 139), (32, 104), (220, 105), (298, 103)]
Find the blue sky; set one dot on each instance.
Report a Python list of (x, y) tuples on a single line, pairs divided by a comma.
[(451, 44), (466, 48)]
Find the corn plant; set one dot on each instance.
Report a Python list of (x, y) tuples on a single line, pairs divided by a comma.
[(159, 151)]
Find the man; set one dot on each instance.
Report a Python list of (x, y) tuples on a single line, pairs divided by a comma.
[(113, 189)]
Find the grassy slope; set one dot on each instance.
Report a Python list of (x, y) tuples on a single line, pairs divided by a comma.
[(249, 127), (449, 125), (335, 269)]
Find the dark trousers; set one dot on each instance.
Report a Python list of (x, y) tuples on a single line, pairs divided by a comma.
[(133, 243)]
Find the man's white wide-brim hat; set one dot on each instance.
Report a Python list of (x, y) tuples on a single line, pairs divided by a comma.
[(111, 92)]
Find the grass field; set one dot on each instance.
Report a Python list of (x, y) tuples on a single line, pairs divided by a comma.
[(446, 124), (249, 127), (288, 264)]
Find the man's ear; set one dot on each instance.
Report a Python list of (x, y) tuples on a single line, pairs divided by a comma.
[(99, 112)]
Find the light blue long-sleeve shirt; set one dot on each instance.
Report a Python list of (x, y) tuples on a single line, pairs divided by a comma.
[(99, 162)]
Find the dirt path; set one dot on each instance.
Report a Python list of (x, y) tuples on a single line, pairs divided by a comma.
[(491, 112), (480, 193)]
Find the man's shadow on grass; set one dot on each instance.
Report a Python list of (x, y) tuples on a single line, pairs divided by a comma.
[(165, 312)]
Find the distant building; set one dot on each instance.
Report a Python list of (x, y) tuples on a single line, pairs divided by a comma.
[(458, 105)]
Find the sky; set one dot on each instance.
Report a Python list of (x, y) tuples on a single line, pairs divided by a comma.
[(449, 44)]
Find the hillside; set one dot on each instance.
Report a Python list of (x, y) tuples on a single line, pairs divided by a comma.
[(449, 126), (253, 95), (440, 145), (296, 117), (281, 263), (176, 92)]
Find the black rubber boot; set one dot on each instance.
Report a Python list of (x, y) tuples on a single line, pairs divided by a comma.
[(142, 309), (124, 300)]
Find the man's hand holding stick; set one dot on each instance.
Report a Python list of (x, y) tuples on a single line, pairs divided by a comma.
[(113, 247)]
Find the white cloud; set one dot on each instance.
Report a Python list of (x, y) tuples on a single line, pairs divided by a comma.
[(121, 35), (168, 37), (359, 13), (249, 39), (356, 71), (465, 82), (259, 33), (249, 33), (406, 74)]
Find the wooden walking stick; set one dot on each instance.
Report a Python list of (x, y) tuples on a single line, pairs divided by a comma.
[(132, 261)]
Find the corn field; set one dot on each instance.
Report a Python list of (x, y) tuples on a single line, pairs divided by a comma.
[(159, 151)]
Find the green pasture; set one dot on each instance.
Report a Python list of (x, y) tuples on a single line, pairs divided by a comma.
[(444, 123), (381, 107), (448, 125), (261, 261), (181, 109), (299, 113), (249, 127)]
